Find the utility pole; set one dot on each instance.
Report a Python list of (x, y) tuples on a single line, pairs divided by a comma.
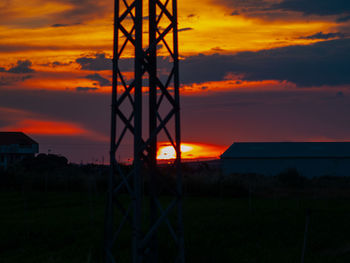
[(128, 117)]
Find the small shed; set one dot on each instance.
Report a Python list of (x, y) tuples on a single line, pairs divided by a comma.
[(15, 146), (310, 159)]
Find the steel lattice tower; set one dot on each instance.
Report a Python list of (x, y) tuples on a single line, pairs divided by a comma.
[(163, 88)]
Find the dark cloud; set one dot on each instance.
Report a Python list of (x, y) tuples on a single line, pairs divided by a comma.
[(101, 80), (10, 80), (65, 25), (235, 13), (98, 62), (217, 49), (283, 9), (86, 89), (263, 10), (59, 25), (308, 7), (185, 29), (321, 35), (6, 48), (23, 66), (56, 64), (316, 7), (323, 63), (343, 19)]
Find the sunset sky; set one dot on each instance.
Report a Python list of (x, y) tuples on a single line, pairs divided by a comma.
[(251, 70)]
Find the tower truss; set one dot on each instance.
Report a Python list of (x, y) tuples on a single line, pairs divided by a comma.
[(136, 61)]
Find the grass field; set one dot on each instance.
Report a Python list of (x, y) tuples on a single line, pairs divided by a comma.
[(68, 227)]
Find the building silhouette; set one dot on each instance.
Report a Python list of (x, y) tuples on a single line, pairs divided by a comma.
[(310, 159), (15, 146)]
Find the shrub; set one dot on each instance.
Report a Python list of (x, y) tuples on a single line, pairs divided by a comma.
[(291, 178)]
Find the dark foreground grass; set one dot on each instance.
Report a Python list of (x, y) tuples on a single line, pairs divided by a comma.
[(68, 227)]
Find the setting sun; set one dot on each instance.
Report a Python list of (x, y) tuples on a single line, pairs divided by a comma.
[(189, 151), (168, 152)]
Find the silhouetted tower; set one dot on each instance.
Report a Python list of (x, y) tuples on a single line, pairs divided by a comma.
[(143, 183)]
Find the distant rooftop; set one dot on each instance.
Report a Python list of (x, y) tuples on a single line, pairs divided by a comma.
[(287, 150), (9, 138)]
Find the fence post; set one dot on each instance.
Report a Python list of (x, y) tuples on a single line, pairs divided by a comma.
[(307, 221)]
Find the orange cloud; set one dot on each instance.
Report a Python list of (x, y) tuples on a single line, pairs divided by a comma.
[(234, 84), (40, 127), (213, 29), (53, 128)]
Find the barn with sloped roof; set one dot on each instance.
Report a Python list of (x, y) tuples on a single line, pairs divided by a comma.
[(310, 159), (15, 146)]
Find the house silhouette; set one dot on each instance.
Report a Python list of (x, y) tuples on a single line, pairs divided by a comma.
[(14, 147)]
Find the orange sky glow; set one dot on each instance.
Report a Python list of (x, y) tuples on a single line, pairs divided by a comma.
[(47, 127), (242, 71), (210, 30), (53, 128), (190, 151)]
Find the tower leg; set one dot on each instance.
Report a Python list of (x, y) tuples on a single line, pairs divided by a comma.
[(152, 154), (137, 198)]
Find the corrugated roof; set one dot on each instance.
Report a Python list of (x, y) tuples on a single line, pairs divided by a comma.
[(9, 138), (287, 149)]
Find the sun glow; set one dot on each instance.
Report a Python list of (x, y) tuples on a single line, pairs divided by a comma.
[(189, 151), (168, 152)]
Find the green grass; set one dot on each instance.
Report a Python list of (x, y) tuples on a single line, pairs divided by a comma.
[(68, 227)]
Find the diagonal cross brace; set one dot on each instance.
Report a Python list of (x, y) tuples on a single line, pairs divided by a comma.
[(158, 222)]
